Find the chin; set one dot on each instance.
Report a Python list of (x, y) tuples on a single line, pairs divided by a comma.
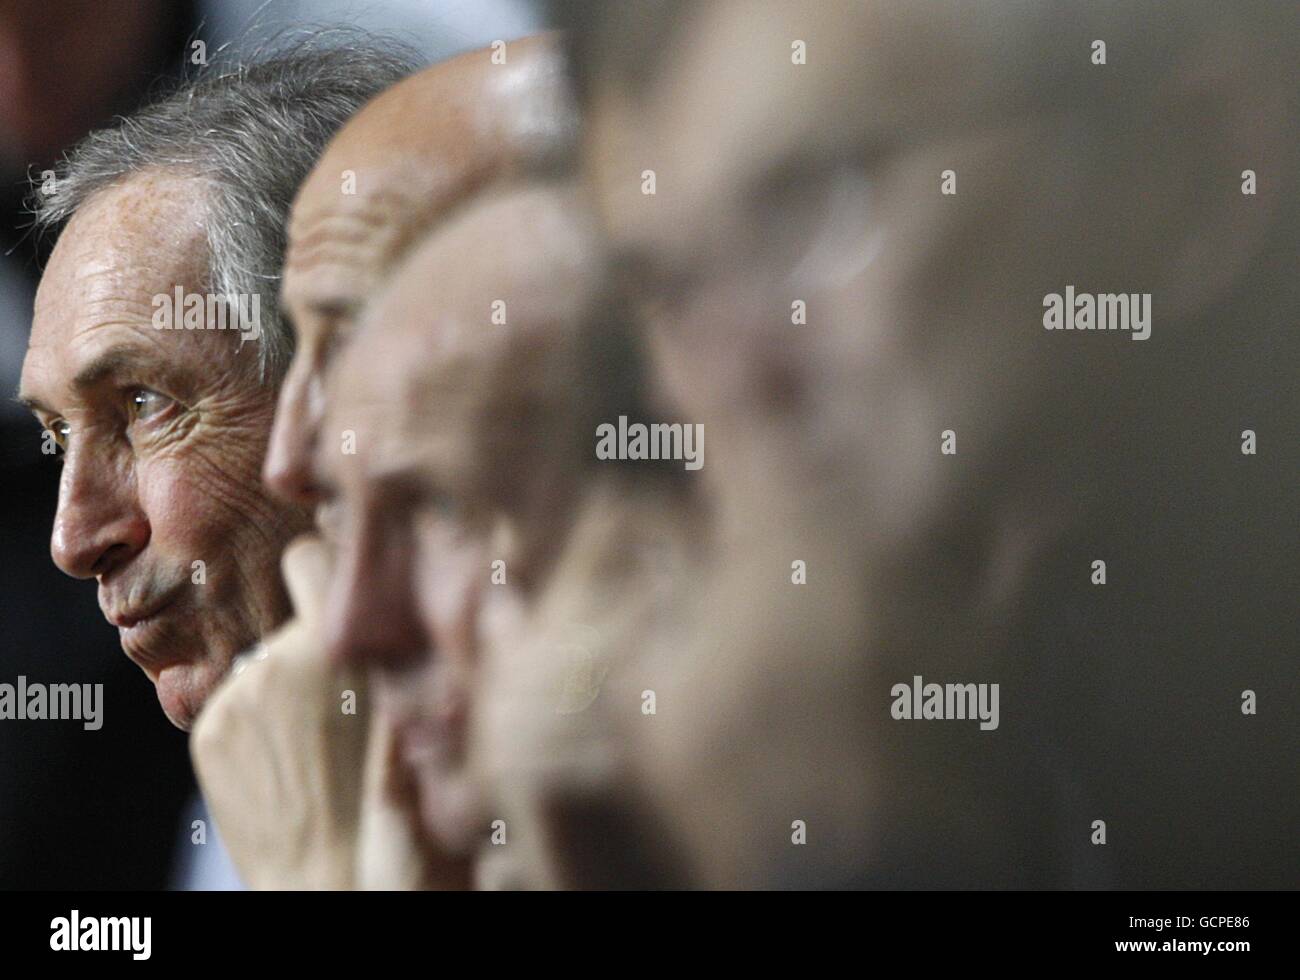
[(183, 689), (449, 813)]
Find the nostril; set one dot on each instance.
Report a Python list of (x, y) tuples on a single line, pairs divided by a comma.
[(109, 560)]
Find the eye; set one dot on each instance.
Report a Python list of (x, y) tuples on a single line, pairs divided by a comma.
[(56, 432), (434, 505), (443, 503), (144, 404), (653, 283)]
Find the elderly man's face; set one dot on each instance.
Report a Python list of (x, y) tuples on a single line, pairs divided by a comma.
[(163, 433), (396, 169), (461, 461)]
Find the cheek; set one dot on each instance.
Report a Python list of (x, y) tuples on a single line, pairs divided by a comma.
[(203, 507), (697, 347), (180, 510)]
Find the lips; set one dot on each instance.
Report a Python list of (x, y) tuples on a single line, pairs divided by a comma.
[(434, 735), (131, 617), (125, 608), (432, 750), (437, 742), (138, 628)]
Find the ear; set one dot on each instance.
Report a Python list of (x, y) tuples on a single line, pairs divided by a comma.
[(1221, 112)]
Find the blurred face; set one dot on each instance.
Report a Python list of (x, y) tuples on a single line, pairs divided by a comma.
[(761, 200), (162, 435), (823, 183), (409, 569), (763, 203), (395, 170), (452, 473)]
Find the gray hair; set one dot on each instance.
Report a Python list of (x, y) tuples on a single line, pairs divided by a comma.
[(251, 132)]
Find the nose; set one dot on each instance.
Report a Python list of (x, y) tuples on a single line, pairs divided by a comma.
[(371, 619), (99, 524), (288, 469)]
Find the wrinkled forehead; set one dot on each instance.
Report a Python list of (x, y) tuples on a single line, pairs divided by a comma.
[(350, 218), (129, 242), (144, 220), (420, 150)]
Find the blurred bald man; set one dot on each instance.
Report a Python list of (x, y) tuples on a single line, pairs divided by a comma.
[(932, 472), (473, 492), (414, 155)]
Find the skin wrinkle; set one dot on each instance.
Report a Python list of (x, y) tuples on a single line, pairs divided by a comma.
[(360, 241), (123, 305), (245, 501), (336, 231), (397, 189), (142, 498), (418, 151)]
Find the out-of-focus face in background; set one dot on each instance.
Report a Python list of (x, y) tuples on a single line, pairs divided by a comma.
[(760, 200), (760, 205), (816, 185), (422, 148), (457, 393), (823, 182), (162, 434)]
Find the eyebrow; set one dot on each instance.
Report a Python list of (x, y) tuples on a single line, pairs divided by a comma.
[(335, 310), (113, 361), (332, 307), (30, 403), (298, 288)]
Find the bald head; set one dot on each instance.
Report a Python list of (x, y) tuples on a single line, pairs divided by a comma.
[(407, 160)]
